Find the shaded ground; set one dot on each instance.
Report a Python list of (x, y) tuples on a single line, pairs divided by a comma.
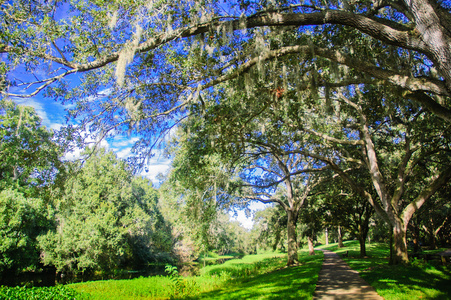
[(338, 281)]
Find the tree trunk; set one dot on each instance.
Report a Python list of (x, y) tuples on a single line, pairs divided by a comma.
[(434, 34), (399, 243), (340, 237), (362, 241), (433, 240), (327, 237), (292, 239), (311, 249), (362, 247), (416, 236), (363, 234)]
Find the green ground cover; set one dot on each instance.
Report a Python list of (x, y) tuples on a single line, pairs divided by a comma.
[(212, 258), (40, 293), (260, 276), (281, 283), (417, 280)]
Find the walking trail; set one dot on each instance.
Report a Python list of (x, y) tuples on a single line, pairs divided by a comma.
[(338, 281)]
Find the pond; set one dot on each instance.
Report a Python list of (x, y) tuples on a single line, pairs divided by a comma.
[(49, 276)]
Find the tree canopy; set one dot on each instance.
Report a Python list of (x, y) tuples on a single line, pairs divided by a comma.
[(105, 219), (29, 154), (29, 169), (144, 62)]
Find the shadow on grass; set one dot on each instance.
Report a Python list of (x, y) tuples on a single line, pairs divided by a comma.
[(409, 282), (417, 280), (287, 283)]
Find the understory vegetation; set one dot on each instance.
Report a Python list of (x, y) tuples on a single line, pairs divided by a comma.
[(262, 276), (40, 293)]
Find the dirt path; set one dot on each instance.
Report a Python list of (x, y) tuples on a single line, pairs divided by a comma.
[(337, 281)]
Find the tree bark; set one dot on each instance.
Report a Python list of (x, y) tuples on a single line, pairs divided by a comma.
[(434, 34), (416, 236), (433, 240), (292, 239), (400, 243), (311, 249), (340, 237), (362, 247), (327, 236), (363, 233)]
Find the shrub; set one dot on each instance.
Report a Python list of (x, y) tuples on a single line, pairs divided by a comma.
[(40, 293)]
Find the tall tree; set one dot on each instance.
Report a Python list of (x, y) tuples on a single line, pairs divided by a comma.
[(29, 166), (29, 155), (104, 220), (22, 220), (256, 155), (393, 150), (286, 180)]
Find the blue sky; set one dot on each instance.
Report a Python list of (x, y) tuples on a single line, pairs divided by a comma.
[(53, 116)]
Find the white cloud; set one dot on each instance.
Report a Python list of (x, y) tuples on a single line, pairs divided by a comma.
[(124, 153), (52, 113), (245, 221), (55, 126), (152, 171), (156, 165), (76, 153), (38, 107), (124, 143)]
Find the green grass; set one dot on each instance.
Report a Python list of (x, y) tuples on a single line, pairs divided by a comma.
[(252, 277), (213, 258), (246, 266), (282, 283), (417, 280)]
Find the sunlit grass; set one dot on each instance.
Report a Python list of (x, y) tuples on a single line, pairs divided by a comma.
[(247, 265), (417, 280), (281, 283), (261, 276)]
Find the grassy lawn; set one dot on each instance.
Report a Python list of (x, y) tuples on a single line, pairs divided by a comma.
[(418, 280), (252, 277), (215, 256), (283, 283)]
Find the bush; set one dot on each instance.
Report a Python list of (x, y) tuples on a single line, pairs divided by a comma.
[(22, 219), (40, 293)]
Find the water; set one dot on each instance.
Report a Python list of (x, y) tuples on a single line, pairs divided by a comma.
[(49, 276)]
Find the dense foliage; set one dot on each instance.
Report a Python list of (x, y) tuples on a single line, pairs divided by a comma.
[(22, 220), (29, 155), (29, 162), (40, 293), (106, 219)]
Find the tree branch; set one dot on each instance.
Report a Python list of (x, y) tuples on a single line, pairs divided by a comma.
[(427, 192)]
